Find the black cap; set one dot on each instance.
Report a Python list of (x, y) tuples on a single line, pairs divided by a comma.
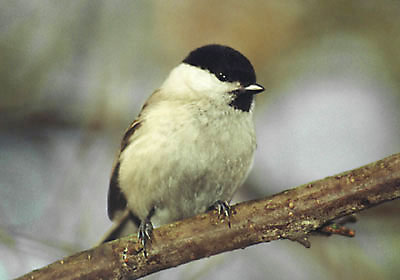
[(224, 62)]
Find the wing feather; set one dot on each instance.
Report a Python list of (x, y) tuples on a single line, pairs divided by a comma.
[(116, 198)]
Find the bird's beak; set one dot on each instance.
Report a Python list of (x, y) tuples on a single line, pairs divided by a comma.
[(254, 88)]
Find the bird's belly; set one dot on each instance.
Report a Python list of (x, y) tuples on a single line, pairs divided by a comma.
[(179, 179)]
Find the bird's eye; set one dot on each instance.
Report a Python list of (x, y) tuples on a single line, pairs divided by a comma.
[(222, 77)]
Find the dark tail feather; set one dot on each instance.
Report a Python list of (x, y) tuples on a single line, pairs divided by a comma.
[(126, 224)]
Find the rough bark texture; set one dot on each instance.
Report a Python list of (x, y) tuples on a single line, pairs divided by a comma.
[(291, 215)]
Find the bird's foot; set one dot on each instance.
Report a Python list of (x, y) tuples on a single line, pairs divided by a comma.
[(224, 209), (144, 234)]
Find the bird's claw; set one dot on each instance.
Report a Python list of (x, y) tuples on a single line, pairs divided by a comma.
[(223, 209), (144, 234)]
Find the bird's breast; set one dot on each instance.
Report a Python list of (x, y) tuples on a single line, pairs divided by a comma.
[(184, 162)]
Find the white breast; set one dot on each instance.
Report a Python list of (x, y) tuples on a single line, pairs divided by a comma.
[(183, 162)]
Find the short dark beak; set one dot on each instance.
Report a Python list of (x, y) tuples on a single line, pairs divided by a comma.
[(254, 88)]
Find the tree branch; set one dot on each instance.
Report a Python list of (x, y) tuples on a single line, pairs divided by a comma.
[(292, 214)]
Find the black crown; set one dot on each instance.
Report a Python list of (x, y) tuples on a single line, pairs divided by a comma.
[(224, 62)]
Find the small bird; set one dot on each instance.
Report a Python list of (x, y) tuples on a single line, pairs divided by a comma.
[(191, 146)]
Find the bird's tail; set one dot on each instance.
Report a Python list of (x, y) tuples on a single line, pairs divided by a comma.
[(125, 224)]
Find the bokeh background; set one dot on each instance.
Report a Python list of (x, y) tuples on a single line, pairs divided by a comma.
[(73, 74)]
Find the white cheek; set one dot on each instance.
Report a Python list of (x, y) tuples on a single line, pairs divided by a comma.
[(185, 79), (202, 81)]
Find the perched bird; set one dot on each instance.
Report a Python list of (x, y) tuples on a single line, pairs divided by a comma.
[(191, 146)]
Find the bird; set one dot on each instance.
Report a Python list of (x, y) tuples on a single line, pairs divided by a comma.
[(191, 146)]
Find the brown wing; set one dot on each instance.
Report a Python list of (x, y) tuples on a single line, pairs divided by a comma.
[(116, 198)]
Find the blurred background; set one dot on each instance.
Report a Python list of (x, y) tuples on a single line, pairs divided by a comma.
[(74, 74)]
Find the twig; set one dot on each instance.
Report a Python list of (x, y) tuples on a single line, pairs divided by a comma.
[(292, 214)]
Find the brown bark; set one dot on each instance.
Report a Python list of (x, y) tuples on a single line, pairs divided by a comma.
[(292, 214)]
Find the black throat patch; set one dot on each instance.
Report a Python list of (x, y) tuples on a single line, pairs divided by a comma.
[(242, 100)]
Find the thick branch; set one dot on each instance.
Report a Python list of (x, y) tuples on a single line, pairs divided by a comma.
[(291, 214)]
